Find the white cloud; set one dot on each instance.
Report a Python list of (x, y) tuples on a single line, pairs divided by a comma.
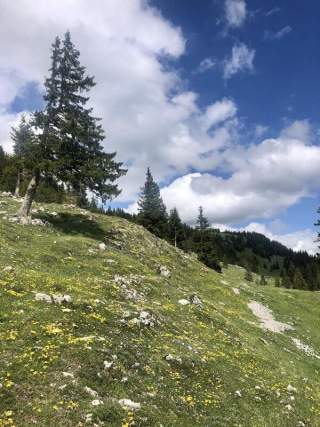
[(299, 129), (277, 35), (241, 60), (235, 12), (266, 179), (206, 64), (260, 130), (7, 121), (272, 11)]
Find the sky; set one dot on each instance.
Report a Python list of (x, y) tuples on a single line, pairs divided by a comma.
[(219, 98)]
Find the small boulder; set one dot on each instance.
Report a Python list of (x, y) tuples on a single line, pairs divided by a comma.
[(195, 300), (146, 318), (102, 247), (43, 297), (183, 301), (164, 271), (91, 392), (129, 404), (171, 358), (96, 402)]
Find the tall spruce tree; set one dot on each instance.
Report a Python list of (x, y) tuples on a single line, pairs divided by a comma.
[(298, 280), (152, 211), (175, 227), (23, 139), (317, 224), (69, 138), (202, 221)]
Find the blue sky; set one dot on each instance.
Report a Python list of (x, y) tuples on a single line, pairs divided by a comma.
[(219, 97), (286, 70)]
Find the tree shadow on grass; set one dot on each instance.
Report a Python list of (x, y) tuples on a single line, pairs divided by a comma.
[(77, 224)]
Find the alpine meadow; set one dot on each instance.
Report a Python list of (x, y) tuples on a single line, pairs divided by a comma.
[(159, 213)]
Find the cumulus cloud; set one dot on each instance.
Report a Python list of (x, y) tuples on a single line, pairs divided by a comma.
[(235, 12), (241, 60), (277, 35), (265, 179)]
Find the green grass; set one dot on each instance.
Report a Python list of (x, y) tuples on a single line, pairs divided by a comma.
[(222, 349)]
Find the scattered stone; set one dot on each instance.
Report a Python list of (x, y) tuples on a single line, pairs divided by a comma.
[(107, 365), (136, 365), (195, 300), (183, 301), (307, 349), (8, 269), (88, 418), (102, 246), (125, 282), (236, 291), (67, 374), (62, 299), (238, 393), (96, 402), (291, 389), (28, 221), (129, 404), (164, 271), (56, 299), (171, 358), (43, 297), (146, 318), (91, 392)]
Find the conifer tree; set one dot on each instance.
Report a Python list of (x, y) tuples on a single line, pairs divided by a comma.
[(23, 139), (225, 263), (69, 138), (202, 221), (263, 281), (298, 281), (152, 211), (286, 282), (317, 224), (175, 229), (2, 159)]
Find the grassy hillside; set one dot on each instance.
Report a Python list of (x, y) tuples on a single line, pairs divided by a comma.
[(125, 331)]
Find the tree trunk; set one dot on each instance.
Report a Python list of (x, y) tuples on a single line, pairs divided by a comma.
[(29, 196), (18, 183)]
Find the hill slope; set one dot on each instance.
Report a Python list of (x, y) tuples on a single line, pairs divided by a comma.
[(125, 331)]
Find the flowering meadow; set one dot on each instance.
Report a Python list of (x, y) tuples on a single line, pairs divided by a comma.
[(103, 324)]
